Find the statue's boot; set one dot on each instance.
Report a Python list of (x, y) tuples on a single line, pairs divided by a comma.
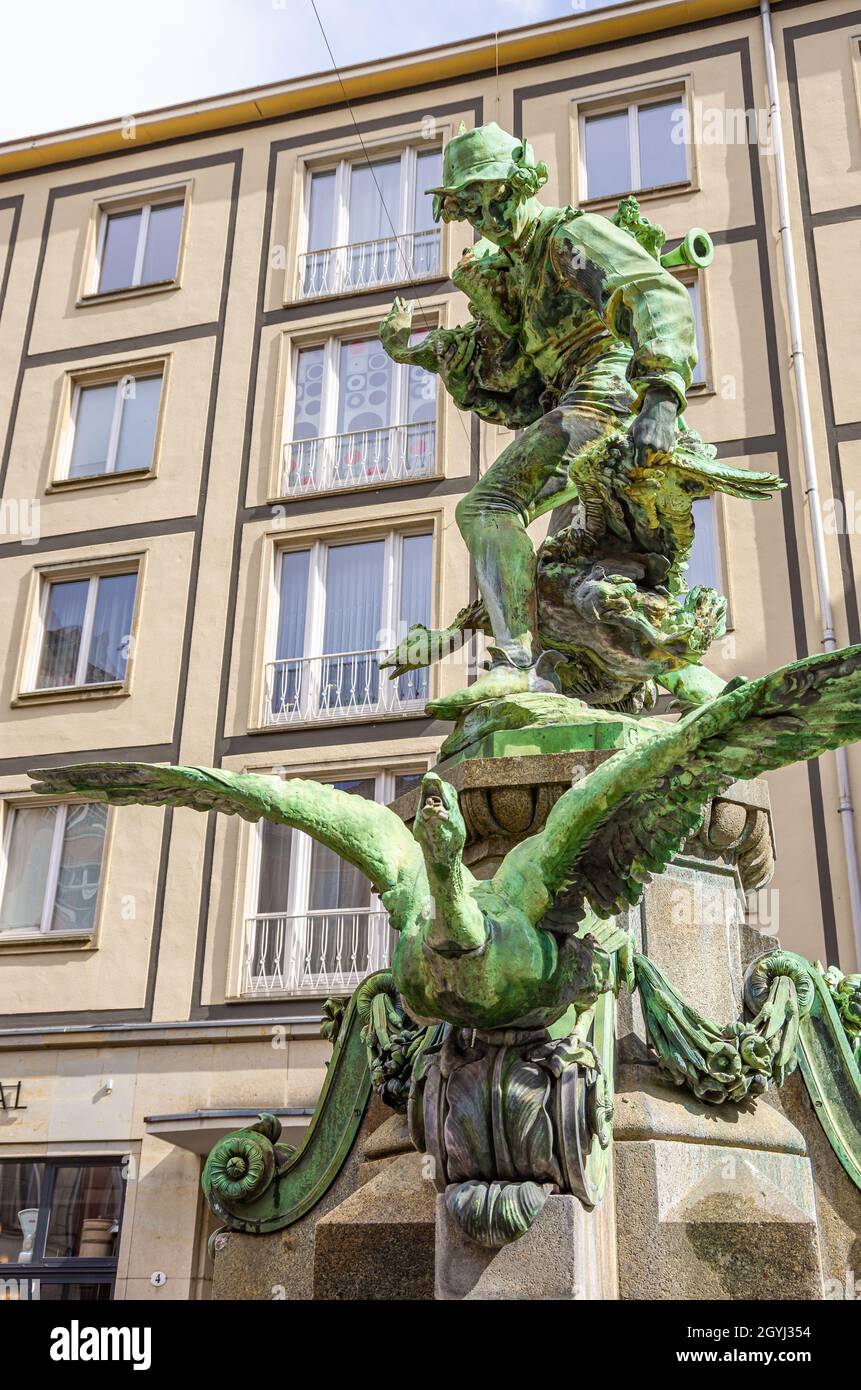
[(503, 678)]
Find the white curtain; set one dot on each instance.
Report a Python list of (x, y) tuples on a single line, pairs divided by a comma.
[(290, 638), (321, 212), (308, 400), (415, 606), (428, 175), (374, 199), (61, 644), (276, 842), (31, 838), (354, 593), (334, 883), (364, 386), (354, 596), (293, 599), (109, 645)]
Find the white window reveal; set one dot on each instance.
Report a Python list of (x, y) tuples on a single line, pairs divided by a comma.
[(357, 419), (112, 426), (634, 148), (139, 246), (85, 631), (370, 223), (338, 607), (700, 374), (52, 864), (704, 563), (316, 925)]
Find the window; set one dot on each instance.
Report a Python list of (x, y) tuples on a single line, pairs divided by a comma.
[(316, 926), (357, 419), (370, 222), (85, 631), (112, 426), (59, 1228), (138, 246), (51, 870), (634, 148), (700, 373), (338, 606), (704, 563)]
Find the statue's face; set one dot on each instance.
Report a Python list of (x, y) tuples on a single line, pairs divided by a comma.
[(439, 827), (492, 208)]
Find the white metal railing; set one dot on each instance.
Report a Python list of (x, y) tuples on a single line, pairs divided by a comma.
[(366, 264), (315, 952), (345, 685), (395, 453)]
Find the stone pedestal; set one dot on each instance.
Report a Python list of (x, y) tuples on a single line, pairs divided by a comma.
[(569, 1254), (379, 1242), (712, 1202), (706, 1202), (370, 1237)]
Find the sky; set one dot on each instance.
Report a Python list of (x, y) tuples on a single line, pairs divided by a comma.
[(71, 62)]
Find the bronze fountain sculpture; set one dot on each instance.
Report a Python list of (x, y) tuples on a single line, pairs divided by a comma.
[(496, 1016)]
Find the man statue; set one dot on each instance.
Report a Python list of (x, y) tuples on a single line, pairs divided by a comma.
[(578, 331)]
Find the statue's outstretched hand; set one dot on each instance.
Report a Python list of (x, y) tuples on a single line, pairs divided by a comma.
[(653, 432), (395, 329)]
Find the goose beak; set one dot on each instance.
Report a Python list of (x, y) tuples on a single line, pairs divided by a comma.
[(433, 807)]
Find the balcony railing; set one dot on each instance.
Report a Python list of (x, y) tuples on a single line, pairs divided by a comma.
[(316, 952), (397, 453), (347, 685), (365, 265)]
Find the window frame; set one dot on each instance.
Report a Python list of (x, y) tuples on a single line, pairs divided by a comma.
[(144, 202), (341, 163), (331, 341), (76, 382), (44, 936), (384, 778), (315, 610), (630, 99), (43, 576), (61, 1269)]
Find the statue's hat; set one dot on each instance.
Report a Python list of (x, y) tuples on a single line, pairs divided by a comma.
[(482, 154)]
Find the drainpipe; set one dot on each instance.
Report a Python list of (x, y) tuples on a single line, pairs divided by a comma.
[(845, 808)]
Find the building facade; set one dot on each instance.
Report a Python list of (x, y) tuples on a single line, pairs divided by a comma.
[(220, 499)]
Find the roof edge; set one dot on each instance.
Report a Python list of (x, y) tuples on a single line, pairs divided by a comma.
[(459, 60)]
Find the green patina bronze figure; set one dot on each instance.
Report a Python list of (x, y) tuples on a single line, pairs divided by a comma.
[(494, 1026), (585, 343), (519, 966), (523, 948)]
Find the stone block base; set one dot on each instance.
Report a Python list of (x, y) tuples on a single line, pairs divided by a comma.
[(705, 1221), (568, 1254), (379, 1242)]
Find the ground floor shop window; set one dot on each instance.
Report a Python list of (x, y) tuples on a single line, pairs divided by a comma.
[(59, 1228)]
